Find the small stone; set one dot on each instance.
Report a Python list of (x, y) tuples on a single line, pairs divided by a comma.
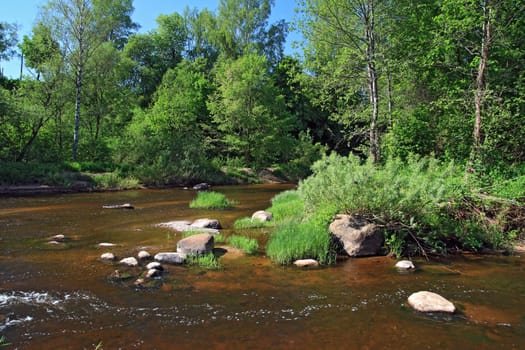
[(54, 242), (139, 282), (201, 186), (153, 273), (155, 265), (306, 263), (405, 265), (108, 256), (206, 223), (131, 262), (58, 238), (143, 255), (430, 302), (106, 244)]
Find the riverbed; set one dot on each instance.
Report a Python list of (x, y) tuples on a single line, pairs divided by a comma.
[(62, 296)]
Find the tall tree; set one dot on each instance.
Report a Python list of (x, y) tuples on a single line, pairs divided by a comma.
[(250, 112), (80, 27), (342, 37), (8, 40)]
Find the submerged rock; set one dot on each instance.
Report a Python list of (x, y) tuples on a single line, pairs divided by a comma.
[(405, 265), (356, 236), (200, 244), (262, 216), (170, 258), (59, 238), (306, 263), (430, 302), (131, 262), (108, 256)]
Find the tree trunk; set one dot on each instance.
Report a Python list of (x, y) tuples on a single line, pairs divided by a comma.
[(78, 85), (480, 79), (372, 82)]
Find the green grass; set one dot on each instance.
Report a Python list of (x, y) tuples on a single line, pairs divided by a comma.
[(211, 200), (248, 245), (248, 223), (114, 181), (287, 205), (208, 261)]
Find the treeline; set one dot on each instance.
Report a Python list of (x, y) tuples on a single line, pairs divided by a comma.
[(205, 90)]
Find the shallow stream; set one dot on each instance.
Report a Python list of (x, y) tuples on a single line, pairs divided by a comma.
[(61, 296)]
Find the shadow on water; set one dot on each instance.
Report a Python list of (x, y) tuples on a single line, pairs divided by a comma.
[(62, 296)]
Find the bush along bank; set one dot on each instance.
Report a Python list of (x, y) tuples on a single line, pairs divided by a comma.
[(417, 207)]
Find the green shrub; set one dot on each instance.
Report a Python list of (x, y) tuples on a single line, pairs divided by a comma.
[(114, 181), (248, 245), (211, 200)]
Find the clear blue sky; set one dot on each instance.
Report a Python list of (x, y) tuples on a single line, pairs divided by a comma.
[(24, 12)]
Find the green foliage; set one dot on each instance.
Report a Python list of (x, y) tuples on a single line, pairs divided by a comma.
[(115, 182), (248, 245), (207, 261), (211, 200), (287, 205)]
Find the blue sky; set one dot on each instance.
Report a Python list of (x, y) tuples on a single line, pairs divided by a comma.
[(24, 12)]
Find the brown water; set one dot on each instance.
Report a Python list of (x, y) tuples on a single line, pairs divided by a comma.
[(61, 296)]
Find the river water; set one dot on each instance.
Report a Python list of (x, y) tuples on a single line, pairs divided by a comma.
[(61, 296)]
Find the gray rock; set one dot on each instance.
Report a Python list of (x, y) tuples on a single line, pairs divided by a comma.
[(185, 226), (143, 255), (108, 256), (355, 236), (154, 265), (199, 244), (170, 258), (430, 302), (306, 263), (153, 273), (131, 262), (405, 265), (106, 244), (206, 223), (59, 238), (262, 216), (201, 186), (118, 206)]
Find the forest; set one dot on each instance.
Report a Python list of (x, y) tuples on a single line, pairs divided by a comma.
[(208, 93)]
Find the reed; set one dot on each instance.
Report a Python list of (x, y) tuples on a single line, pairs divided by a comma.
[(248, 245)]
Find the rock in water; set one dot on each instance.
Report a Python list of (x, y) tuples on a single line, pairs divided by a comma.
[(143, 255), (306, 263), (356, 236), (201, 187), (200, 244), (405, 265), (154, 265), (170, 258), (131, 262), (107, 256), (118, 206), (430, 302), (206, 223), (262, 216)]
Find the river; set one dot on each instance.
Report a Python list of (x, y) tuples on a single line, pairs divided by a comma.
[(61, 296)]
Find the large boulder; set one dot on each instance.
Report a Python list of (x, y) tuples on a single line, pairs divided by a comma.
[(168, 258), (262, 216), (200, 244), (430, 302), (356, 236)]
